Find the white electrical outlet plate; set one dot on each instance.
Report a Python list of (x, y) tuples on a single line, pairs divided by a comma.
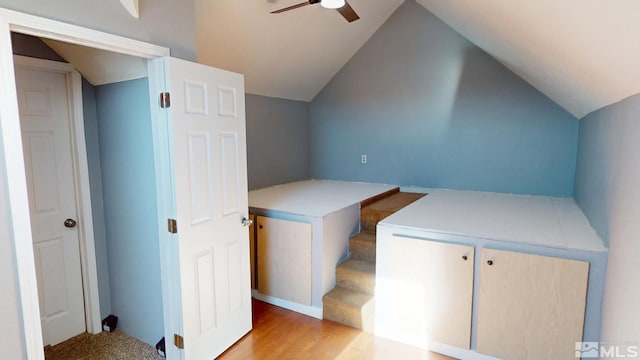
[(364, 159)]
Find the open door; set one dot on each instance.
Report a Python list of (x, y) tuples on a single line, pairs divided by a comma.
[(208, 166)]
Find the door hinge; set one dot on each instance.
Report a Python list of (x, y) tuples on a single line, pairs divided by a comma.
[(165, 100), (178, 341), (172, 226)]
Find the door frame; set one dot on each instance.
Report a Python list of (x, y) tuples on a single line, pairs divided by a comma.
[(82, 189), (11, 142)]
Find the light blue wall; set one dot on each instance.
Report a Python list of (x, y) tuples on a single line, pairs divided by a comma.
[(607, 188), (97, 204), (277, 140), (168, 23), (128, 182), (431, 109)]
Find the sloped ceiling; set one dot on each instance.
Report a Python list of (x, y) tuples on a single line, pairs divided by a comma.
[(291, 55), (99, 67), (583, 54)]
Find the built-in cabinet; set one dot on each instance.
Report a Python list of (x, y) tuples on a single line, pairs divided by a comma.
[(284, 259), (483, 276), (530, 306), (302, 232)]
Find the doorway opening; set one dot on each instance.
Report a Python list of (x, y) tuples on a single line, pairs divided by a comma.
[(108, 146), (199, 167)]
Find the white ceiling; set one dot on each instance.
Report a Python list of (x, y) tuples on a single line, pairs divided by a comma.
[(291, 55), (100, 67), (583, 54)]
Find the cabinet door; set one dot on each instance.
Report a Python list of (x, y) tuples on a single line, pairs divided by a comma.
[(252, 249), (530, 306), (284, 259), (430, 288)]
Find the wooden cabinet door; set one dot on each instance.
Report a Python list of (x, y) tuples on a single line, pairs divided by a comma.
[(252, 249), (430, 290), (284, 259), (530, 306)]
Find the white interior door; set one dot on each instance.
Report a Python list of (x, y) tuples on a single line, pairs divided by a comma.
[(207, 122), (43, 98)]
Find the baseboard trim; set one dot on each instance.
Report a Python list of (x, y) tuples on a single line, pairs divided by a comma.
[(289, 305)]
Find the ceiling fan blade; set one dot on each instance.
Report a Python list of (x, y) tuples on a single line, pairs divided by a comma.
[(348, 13), (295, 6)]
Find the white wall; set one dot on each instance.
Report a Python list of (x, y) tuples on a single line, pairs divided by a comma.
[(11, 343), (608, 190)]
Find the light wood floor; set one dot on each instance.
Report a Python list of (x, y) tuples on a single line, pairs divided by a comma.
[(282, 334)]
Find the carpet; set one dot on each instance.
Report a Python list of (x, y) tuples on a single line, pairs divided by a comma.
[(104, 346)]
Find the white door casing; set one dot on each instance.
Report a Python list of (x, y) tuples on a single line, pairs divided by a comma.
[(209, 175), (45, 114)]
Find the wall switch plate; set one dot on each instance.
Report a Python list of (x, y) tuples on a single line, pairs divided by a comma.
[(363, 159)]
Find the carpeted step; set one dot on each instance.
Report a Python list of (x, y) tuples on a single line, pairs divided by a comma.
[(369, 219), (358, 275), (371, 214), (362, 246), (349, 307)]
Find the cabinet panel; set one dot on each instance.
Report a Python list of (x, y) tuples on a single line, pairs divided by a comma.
[(432, 289), (284, 259), (530, 306)]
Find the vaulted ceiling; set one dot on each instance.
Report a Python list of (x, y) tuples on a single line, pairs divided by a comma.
[(583, 54), (290, 55)]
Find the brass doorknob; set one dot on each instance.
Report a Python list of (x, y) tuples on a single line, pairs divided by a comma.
[(70, 223)]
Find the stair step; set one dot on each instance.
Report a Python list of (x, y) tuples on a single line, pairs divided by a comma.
[(369, 219), (371, 214), (358, 275), (362, 246), (349, 307)]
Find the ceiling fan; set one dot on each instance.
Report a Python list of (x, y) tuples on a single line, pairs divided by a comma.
[(340, 5)]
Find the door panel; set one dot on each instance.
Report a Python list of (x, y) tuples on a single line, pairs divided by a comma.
[(530, 306), (210, 179), (200, 177), (42, 161), (45, 121), (230, 171)]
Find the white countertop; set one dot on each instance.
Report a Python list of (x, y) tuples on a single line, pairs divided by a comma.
[(539, 220), (315, 198)]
